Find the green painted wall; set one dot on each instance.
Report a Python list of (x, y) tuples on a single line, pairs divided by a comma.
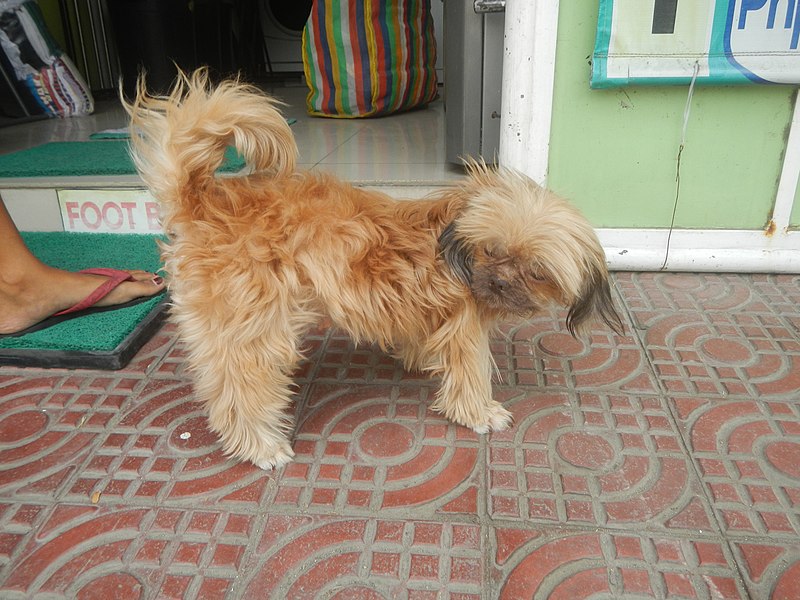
[(613, 152), (794, 221)]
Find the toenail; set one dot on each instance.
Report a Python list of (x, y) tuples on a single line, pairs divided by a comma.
[(158, 280)]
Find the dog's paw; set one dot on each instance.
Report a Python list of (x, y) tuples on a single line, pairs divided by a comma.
[(276, 460), (497, 419), (501, 419)]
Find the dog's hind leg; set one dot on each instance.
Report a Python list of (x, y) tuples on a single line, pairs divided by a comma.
[(243, 375), (465, 362)]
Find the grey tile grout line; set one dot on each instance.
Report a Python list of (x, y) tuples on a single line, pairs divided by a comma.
[(322, 160)]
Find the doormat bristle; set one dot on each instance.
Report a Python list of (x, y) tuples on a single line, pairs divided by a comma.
[(76, 159)]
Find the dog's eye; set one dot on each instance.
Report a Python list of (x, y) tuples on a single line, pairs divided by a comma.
[(537, 277), (489, 252)]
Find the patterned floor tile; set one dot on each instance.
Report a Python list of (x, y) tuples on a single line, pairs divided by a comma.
[(779, 292), (770, 570), (660, 464), (609, 460), (173, 363), (556, 565), (748, 455), (302, 556), (343, 361), (372, 448), (540, 352), (18, 521), (312, 348), (85, 551), (713, 334), (646, 293), (49, 424), (724, 354), (161, 451)]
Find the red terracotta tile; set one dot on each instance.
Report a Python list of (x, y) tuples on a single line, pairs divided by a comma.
[(17, 523), (377, 448), (299, 555), (698, 292), (342, 361), (153, 352), (572, 463), (152, 552), (173, 363), (632, 493), (780, 292), (563, 564), (695, 358), (770, 570), (175, 586), (119, 585), (214, 587), (29, 389), (161, 448), (540, 352), (43, 442), (747, 462), (715, 335), (81, 551)]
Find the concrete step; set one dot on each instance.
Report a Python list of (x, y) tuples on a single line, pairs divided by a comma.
[(120, 204)]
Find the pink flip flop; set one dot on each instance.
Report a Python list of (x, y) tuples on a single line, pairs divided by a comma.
[(87, 305)]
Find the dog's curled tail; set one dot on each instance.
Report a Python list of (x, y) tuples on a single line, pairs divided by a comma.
[(178, 141)]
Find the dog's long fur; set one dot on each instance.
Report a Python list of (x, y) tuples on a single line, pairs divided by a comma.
[(254, 261)]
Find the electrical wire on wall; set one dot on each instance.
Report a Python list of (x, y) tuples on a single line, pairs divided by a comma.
[(686, 112)]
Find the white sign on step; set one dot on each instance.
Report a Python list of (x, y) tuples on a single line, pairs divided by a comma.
[(109, 211)]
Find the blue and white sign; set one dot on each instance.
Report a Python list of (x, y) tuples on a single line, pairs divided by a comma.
[(721, 41)]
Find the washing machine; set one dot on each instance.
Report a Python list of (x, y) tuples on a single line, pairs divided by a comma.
[(282, 22)]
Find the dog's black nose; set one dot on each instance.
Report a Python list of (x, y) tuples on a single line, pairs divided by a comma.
[(499, 284)]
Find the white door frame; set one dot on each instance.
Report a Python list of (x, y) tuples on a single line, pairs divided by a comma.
[(529, 70)]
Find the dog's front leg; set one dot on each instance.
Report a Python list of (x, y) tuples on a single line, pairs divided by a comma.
[(465, 395)]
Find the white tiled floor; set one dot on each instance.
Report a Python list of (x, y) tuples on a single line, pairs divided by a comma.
[(405, 149), (108, 114), (401, 148)]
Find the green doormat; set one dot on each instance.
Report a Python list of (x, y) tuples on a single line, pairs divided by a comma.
[(105, 340), (60, 159)]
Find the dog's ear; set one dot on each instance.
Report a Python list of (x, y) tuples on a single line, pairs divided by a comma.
[(595, 301), (457, 254)]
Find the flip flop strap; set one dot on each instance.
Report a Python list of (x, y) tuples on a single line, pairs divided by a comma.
[(114, 278)]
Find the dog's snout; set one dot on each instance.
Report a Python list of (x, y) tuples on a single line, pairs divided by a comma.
[(499, 284)]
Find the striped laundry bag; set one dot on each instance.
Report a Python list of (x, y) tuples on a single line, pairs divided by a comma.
[(366, 58)]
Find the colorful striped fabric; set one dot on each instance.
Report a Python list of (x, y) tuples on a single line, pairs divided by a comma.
[(366, 58)]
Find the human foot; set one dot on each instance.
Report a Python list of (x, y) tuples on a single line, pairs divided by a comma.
[(29, 298)]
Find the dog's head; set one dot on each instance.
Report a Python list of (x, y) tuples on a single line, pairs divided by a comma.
[(521, 248)]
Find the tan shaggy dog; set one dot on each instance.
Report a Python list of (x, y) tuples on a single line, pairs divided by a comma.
[(255, 260)]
